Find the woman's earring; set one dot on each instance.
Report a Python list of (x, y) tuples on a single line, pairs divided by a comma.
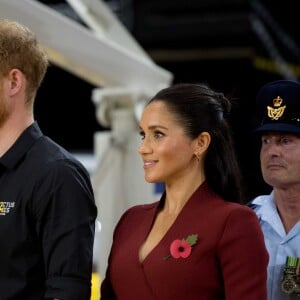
[(197, 156)]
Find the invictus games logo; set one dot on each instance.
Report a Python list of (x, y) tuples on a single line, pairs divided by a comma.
[(5, 207)]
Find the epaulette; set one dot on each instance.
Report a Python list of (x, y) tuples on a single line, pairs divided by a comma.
[(251, 205)]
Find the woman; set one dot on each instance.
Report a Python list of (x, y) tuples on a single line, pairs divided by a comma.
[(197, 242)]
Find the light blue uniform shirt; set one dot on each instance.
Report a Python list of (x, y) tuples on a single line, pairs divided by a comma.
[(279, 244)]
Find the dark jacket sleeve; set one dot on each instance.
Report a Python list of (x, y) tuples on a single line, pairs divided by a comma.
[(107, 291), (241, 252)]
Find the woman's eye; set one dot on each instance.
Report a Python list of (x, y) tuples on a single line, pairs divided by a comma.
[(142, 135), (158, 134), (154, 135)]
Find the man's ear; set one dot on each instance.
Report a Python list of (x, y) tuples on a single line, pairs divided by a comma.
[(15, 82)]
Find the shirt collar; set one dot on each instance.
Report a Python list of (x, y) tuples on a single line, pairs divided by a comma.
[(16, 152), (267, 212)]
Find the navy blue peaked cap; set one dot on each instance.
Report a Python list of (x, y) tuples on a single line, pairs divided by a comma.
[(278, 107)]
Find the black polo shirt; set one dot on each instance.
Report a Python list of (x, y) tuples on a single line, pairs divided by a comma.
[(47, 218)]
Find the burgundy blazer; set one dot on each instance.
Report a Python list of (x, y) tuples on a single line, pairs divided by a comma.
[(229, 260)]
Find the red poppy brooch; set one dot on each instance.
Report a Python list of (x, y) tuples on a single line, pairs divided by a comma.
[(182, 248)]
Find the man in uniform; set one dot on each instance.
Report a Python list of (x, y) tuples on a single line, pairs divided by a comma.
[(278, 108)]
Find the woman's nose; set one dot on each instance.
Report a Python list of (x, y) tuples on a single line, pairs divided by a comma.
[(144, 147)]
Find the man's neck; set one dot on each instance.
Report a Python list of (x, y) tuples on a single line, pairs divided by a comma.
[(10, 132), (288, 205)]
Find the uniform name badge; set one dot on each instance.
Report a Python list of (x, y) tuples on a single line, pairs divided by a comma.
[(290, 283)]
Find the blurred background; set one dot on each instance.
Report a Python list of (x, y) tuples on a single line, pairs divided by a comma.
[(235, 46)]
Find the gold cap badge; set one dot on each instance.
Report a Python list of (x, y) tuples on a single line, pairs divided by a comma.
[(274, 113), (277, 101)]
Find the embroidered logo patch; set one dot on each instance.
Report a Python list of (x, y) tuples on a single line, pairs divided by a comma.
[(5, 207)]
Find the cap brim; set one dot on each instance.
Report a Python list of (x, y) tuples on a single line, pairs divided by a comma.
[(278, 127)]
